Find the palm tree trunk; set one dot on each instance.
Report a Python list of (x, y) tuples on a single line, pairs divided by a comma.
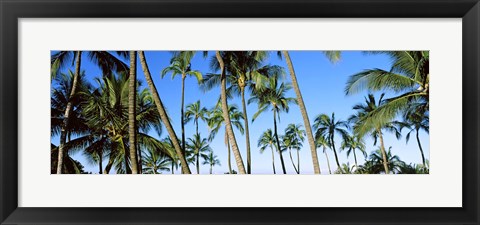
[(132, 130), (182, 115), (336, 156), (273, 160), (68, 109), (291, 159), (109, 164), (298, 161), (139, 156), (198, 163), (328, 161), (100, 163), (247, 132), (163, 114), (384, 153), (278, 141), (229, 154), (421, 149), (303, 110), (126, 157), (226, 116), (211, 169), (355, 157), (173, 164)]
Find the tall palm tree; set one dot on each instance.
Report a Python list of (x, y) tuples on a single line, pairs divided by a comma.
[(415, 119), (273, 96), (198, 147), (363, 112), (132, 105), (409, 76), (246, 70), (155, 162), (105, 60), (77, 123), (332, 56), (163, 113), (180, 64), (211, 160), (377, 161), (106, 112), (266, 140), (322, 142), (353, 143), (327, 126), (226, 117), (295, 135), (215, 121), (196, 112)]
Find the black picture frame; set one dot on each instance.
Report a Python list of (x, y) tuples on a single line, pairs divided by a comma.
[(12, 10)]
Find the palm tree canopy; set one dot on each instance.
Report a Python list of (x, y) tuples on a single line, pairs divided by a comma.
[(180, 64), (326, 126)]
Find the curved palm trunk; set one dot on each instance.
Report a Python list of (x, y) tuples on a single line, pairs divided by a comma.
[(355, 157), (273, 160), (298, 161), (328, 161), (163, 114), (132, 130), (278, 141), (303, 110), (247, 132), (68, 109), (229, 153), (336, 156), (182, 115), (226, 116), (421, 149), (173, 164), (291, 159), (384, 153)]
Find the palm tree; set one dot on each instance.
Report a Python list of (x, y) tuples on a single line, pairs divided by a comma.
[(246, 69), (215, 121), (211, 160), (273, 96), (363, 112), (327, 126), (415, 119), (132, 127), (295, 136), (322, 142), (409, 76), (332, 56), (163, 113), (345, 169), (197, 147), (196, 112), (59, 100), (351, 144), (226, 117), (394, 163), (180, 64), (106, 112), (155, 162), (105, 60), (267, 139)]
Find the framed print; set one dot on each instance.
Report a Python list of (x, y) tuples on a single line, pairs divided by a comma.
[(281, 111)]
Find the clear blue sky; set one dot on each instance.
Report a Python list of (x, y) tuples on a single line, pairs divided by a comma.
[(322, 84)]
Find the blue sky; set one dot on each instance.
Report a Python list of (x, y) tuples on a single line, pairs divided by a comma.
[(322, 84)]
